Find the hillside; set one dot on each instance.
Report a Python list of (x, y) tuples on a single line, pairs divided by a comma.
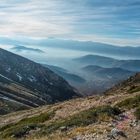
[(73, 79), (114, 115), (130, 85), (99, 79), (28, 84), (14, 97), (92, 79), (131, 65), (112, 73)]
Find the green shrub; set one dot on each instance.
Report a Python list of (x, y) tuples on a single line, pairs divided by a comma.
[(25, 125), (134, 89), (83, 118), (129, 103), (137, 113), (18, 131), (38, 119)]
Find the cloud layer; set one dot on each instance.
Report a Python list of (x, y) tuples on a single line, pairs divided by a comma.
[(108, 21)]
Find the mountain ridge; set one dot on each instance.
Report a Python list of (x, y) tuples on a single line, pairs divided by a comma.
[(31, 83), (108, 62)]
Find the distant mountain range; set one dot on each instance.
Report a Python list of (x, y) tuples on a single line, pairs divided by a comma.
[(92, 79), (19, 48), (131, 65), (99, 79), (24, 83), (87, 46), (95, 47), (94, 74), (108, 73), (106, 58), (101, 73)]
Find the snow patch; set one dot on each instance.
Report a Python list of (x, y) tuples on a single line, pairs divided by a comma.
[(5, 77), (19, 76), (108, 76), (32, 79), (51, 84), (8, 70)]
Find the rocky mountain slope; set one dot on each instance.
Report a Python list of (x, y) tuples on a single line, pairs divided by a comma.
[(25, 84), (114, 115), (73, 79)]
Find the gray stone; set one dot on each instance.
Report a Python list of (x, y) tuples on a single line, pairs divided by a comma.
[(116, 132), (63, 128)]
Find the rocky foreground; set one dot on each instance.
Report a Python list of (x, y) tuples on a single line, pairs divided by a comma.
[(114, 115)]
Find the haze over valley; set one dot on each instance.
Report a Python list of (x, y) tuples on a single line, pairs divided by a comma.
[(80, 61)]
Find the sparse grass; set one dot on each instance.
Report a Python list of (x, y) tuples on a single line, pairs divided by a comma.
[(129, 103), (137, 113), (83, 130), (38, 119), (91, 129), (18, 131), (134, 89), (84, 118), (24, 126)]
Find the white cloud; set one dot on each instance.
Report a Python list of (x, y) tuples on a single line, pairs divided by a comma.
[(33, 18), (115, 41), (86, 20)]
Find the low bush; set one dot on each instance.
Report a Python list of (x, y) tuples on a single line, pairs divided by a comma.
[(137, 113), (129, 103), (134, 89), (24, 126)]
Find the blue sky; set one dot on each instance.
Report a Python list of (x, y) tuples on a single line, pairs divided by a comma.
[(108, 21)]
